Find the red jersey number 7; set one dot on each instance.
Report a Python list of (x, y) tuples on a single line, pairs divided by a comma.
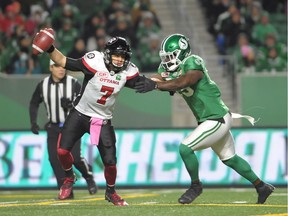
[(108, 92)]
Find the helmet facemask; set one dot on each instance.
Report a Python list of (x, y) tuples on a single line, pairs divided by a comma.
[(109, 62), (117, 46), (170, 60)]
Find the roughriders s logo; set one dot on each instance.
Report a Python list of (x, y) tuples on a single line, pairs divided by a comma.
[(183, 44)]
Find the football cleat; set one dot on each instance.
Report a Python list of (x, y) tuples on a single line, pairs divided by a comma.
[(191, 194), (70, 197), (92, 187), (264, 192), (66, 188), (115, 199)]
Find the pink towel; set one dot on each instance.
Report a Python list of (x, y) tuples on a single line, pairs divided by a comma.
[(95, 130)]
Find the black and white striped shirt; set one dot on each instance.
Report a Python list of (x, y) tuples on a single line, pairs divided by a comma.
[(50, 93)]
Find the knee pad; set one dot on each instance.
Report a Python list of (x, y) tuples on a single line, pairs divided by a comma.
[(108, 156), (65, 157), (62, 152)]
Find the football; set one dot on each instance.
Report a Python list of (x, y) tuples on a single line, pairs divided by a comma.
[(43, 40)]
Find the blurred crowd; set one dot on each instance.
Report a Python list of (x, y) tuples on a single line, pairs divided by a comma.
[(254, 32), (77, 30)]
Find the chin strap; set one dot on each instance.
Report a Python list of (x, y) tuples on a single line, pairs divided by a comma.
[(249, 118)]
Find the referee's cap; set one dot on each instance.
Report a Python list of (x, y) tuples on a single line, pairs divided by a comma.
[(52, 62)]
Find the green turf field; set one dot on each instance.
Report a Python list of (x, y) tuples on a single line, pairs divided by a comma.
[(148, 202)]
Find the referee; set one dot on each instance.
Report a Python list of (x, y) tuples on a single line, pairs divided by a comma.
[(57, 91)]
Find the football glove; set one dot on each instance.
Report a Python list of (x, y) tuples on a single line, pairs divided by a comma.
[(66, 104), (35, 128), (145, 85)]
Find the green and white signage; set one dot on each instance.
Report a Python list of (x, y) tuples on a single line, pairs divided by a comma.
[(145, 158)]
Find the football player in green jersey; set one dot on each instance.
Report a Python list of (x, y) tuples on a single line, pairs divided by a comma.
[(182, 72)]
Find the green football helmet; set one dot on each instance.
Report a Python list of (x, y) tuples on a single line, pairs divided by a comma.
[(174, 49)]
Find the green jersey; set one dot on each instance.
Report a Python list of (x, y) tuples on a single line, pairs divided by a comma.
[(204, 97)]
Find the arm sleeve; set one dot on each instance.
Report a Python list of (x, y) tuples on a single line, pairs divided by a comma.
[(77, 65), (74, 64), (34, 104), (131, 82)]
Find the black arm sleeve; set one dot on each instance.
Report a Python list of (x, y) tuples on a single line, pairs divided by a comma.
[(34, 104), (74, 64), (77, 65), (131, 83)]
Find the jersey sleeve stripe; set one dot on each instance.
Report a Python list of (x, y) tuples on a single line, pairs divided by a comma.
[(134, 75), (88, 67)]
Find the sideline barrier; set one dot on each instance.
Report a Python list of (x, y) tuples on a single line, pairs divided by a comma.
[(146, 158)]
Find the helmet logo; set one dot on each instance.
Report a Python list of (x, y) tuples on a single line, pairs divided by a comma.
[(183, 44), (112, 40)]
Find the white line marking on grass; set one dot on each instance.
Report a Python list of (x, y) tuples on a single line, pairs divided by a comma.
[(241, 202), (279, 194), (240, 189), (148, 203), (3, 203), (58, 204)]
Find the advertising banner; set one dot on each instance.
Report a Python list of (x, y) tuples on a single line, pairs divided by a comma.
[(145, 158)]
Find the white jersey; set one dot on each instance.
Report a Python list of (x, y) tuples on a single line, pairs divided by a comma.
[(100, 94)]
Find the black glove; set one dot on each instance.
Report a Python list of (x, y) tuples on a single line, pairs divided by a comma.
[(66, 104), (35, 128), (145, 85)]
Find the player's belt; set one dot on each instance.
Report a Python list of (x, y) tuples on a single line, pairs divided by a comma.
[(88, 118), (221, 120)]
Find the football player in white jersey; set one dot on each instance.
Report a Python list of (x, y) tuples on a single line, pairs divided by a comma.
[(105, 74)]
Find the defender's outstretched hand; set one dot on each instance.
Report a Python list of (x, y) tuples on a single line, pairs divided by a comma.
[(145, 85)]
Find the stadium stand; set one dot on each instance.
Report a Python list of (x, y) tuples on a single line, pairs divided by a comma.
[(197, 19), (145, 23), (72, 21)]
